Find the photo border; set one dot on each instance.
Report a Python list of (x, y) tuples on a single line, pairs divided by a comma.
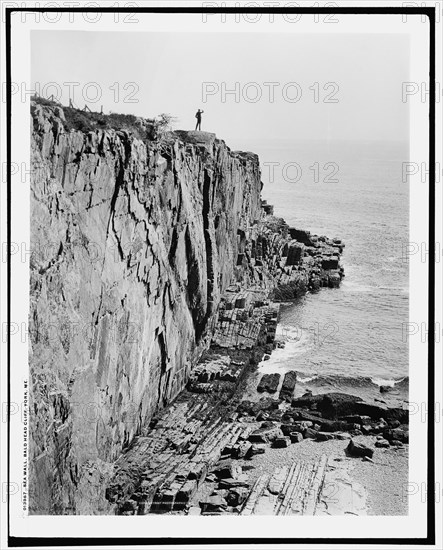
[(15, 541)]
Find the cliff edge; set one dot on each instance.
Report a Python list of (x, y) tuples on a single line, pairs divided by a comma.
[(135, 243)]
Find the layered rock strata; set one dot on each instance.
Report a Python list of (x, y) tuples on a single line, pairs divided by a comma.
[(143, 253)]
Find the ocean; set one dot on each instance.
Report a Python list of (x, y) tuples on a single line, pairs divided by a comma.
[(352, 336)]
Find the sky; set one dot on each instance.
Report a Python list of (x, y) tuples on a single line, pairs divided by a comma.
[(287, 86)]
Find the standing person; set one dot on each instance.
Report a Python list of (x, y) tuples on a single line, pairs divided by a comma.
[(198, 116)]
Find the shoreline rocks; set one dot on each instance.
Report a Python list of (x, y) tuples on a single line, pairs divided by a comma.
[(195, 261)]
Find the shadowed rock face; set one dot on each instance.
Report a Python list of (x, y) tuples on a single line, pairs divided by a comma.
[(142, 251), (133, 244)]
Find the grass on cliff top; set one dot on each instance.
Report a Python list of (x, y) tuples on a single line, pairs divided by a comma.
[(85, 121)]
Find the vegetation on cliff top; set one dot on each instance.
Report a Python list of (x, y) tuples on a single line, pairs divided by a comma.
[(87, 121)]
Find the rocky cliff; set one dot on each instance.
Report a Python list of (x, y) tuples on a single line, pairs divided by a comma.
[(134, 244)]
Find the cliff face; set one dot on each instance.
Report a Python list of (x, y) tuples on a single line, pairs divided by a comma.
[(133, 244)]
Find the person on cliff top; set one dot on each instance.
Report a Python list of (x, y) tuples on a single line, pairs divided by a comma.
[(198, 116)]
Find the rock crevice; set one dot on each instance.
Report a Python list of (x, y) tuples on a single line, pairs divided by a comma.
[(136, 247)]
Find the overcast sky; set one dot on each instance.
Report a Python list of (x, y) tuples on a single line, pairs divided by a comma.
[(170, 72)]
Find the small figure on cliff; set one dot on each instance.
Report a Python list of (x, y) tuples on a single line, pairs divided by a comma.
[(198, 116)]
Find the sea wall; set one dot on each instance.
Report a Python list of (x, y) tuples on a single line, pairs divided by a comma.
[(145, 249), (133, 243)]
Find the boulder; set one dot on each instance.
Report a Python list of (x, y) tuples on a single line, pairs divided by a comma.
[(296, 437), (301, 425), (330, 263), (264, 435), (358, 449), (334, 280), (301, 236), (398, 434), (237, 496), (213, 504), (334, 405), (242, 450), (185, 494), (287, 429), (198, 471), (227, 469), (381, 411), (269, 383), (288, 386), (309, 433), (295, 253), (281, 442), (382, 443), (343, 406), (258, 449), (265, 404)]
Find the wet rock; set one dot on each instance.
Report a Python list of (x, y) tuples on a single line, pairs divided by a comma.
[(358, 449), (342, 406), (330, 263), (265, 404), (288, 386), (269, 383), (334, 405)]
